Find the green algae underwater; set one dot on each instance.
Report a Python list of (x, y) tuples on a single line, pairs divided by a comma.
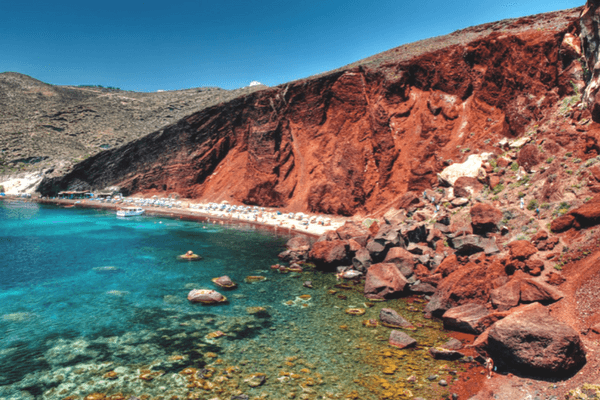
[(95, 307)]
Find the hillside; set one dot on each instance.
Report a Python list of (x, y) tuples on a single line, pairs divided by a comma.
[(354, 140), (44, 126)]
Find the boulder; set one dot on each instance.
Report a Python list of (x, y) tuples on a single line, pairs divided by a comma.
[(409, 201), (329, 254), (507, 296), (532, 341), (392, 319), (588, 214), (401, 340), (453, 344), (529, 157), (298, 243), (385, 239), (422, 288), (521, 249), (562, 223), (362, 260), (468, 244), (414, 233), (403, 259), (440, 353), (418, 249), (465, 318), (485, 218), (470, 168), (467, 186), (328, 236), (352, 230), (383, 281), (523, 289)]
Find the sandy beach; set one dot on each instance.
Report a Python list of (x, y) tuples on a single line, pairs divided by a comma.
[(268, 219)]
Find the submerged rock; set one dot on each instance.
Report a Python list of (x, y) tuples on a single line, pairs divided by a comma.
[(206, 296), (392, 319)]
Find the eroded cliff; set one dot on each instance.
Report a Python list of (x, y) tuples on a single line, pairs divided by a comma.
[(354, 140)]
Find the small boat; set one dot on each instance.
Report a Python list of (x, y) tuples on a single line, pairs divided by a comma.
[(130, 211)]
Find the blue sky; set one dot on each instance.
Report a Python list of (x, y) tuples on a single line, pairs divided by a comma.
[(166, 45)]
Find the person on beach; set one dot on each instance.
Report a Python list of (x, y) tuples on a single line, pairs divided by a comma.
[(489, 366)]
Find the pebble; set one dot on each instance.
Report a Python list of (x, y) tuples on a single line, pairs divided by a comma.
[(432, 377), (443, 382)]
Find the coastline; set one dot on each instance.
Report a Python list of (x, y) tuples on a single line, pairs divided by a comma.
[(313, 231)]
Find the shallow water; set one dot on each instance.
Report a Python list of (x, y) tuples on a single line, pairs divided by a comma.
[(83, 294)]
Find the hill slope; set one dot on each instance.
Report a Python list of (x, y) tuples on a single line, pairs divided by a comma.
[(355, 139), (44, 125)]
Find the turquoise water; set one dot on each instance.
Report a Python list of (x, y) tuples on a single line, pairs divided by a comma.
[(84, 294)]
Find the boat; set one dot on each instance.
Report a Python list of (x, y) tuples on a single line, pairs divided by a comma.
[(130, 211)]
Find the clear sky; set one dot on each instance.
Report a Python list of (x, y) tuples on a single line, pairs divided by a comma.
[(176, 44)]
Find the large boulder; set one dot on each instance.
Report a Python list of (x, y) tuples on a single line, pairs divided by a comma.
[(485, 218), (403, 259), (385, 239), (521, 249), (529, 157), (470, 168), (465, 318), (384, 280), (362, 260), (329, 254), (414, 233), (523, 289), (532, 341), (409, 201), (470, 244)]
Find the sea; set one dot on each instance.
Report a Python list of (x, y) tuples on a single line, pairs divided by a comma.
[(95, 307)]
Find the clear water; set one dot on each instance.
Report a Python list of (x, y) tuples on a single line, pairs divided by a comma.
[(66, 320)]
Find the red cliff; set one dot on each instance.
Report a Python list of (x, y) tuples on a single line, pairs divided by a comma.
[(356, 139)]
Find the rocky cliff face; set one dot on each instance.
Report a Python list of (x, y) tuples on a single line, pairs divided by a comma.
[(356, 139)]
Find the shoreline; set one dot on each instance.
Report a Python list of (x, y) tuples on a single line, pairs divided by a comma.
[(188, 214)]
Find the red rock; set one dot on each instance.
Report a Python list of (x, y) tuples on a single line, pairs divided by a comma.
[(562, 223), (352, 140), (440, 353), (401, 340), (554, 278), (532, 341), (383, 281), (595, 171), (448, 266), (534, 290), (485, 218), (362, 260), (392, 319), (529, 156), (298, 243), (409, 201), (329, 254), (465, 318), (588, 214), (521, 249), (466, 186), (354, 246), (404, 260), (534, 266), (507, 296), (352, 230), (453, 344), (494, 181)]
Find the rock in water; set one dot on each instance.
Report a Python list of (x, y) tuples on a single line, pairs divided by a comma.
[(401, 340), (205, 296), (532, 341), (392, 319)]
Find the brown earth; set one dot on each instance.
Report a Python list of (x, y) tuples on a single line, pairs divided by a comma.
[(48, 126)]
